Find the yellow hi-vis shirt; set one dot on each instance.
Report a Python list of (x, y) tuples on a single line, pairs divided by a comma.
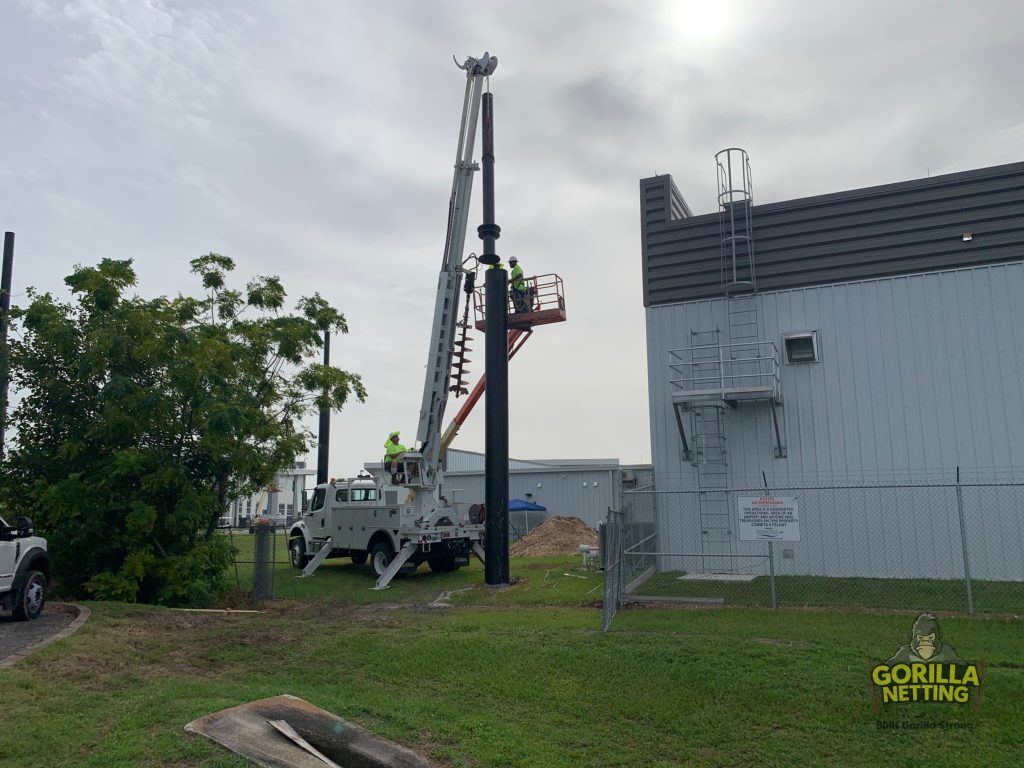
[(516, 278), (392, 448)]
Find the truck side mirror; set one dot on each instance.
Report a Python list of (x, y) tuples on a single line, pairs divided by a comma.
[(25, 528)]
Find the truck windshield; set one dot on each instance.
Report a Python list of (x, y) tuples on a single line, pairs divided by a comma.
[(318, 499)]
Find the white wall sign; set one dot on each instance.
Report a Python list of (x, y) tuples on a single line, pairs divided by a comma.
[(769, 518)]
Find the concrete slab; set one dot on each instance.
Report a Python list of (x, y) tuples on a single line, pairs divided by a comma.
[(718, 577), (246, 731)]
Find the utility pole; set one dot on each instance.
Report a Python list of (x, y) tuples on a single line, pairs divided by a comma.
[(324, 443), (496, 570), (5, 315)]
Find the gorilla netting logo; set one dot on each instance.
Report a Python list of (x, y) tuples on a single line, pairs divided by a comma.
[(926, 669)]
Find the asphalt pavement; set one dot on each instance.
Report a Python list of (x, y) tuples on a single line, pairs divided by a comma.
[(16, 637)]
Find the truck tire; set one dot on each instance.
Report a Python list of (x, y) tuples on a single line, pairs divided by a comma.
[(381, 555), (442, 564), (31, 597), (297, 552), (358, 557)]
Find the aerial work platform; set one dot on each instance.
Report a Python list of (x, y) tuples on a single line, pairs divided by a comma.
[(545, 297)]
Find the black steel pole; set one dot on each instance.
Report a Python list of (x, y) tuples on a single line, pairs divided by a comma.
[(496, 361), (324, 442), (5, 313)]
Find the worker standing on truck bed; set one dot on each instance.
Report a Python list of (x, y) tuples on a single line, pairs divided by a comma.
[(517, 287), (394, 450)]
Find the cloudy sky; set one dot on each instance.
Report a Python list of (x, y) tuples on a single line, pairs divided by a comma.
[(314, 140)]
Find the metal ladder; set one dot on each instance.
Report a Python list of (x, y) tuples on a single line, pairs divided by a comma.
[(716, 527), (711, 458), (744, 335)]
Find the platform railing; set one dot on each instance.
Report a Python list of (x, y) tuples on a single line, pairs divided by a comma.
[(544, 293), (723, 369)]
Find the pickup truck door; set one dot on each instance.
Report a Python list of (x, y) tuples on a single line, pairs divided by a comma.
[(9, 547)]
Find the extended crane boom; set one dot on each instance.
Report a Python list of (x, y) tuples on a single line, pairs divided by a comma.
[(441, 349), (400, 524)]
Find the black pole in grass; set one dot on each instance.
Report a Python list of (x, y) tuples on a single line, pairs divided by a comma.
[(5, 313), (496, 570)]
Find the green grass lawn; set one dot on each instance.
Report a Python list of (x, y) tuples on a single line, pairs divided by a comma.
[(919, 594), (545, 581), (521, 677)]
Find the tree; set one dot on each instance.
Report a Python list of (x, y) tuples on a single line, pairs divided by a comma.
[(140, 419)]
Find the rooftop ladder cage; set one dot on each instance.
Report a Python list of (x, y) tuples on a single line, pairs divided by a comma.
[(735, 200), (545, 302), (725, 372)]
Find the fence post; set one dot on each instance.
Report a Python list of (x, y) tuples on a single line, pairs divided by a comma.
[(963, 541), (771, 548), (263, 568), (621, 590), (611, 557)]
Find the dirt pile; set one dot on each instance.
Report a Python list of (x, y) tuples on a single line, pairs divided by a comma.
[(555, 536)]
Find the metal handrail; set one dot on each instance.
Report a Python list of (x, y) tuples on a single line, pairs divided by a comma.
[(721, 368), (547, 293)]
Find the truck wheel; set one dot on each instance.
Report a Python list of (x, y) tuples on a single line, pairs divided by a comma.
[(442, 564), (381, 555), (31, 598), (297, 552), (358, 557)]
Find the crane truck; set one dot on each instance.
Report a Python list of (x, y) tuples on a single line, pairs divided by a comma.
[(397, 526)]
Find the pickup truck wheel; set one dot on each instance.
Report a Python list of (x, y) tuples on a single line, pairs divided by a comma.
[(381, 555), (358, 557), (31, 598), (297, 552), (442, 564)]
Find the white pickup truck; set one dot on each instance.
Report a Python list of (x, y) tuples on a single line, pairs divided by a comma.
[(365, 520), (24, 569)]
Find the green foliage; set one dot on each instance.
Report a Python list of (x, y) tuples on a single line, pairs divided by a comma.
[(140, 418)]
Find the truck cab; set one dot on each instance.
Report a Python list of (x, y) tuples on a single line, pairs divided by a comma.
[(24, 569)]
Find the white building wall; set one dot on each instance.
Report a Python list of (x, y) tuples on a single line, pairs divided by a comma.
[(918, 375), (292, 485)]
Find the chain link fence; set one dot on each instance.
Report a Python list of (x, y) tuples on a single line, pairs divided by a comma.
[(522, 521), (924, 546)]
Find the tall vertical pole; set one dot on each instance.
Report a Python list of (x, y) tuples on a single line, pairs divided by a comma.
[(963, 541), (5, 313), (771, 550), (324, 442), (496, 570)]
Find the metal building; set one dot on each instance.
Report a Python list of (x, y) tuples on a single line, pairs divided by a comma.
[(860, 337), (583, 488)]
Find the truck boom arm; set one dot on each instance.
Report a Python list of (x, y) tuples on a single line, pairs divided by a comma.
[(439, 358)]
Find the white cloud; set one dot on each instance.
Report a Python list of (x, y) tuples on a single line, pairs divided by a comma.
[(316, 141)]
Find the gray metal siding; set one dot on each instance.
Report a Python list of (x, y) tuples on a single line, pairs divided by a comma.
[(918, 375), (904, 228), (660, 203), (471, 461), (562, 493)]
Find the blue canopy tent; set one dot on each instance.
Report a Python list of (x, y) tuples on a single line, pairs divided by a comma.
[(518, 505), (523, 517)]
